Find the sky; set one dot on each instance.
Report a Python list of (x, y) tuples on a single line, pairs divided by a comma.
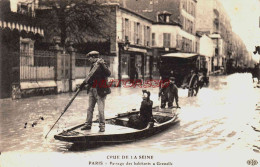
[(245, 19)]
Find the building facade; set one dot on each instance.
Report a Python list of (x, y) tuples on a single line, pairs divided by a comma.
[(17, 34), (174, 26), (213, 20), (206, 49), (132, 45), (180, 13)]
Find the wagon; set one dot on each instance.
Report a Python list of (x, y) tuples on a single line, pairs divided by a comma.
[(180, 64)]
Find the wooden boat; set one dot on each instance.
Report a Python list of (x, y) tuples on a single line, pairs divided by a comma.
[(117, 129)]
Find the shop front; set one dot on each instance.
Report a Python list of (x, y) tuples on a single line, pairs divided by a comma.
[(136, 64)]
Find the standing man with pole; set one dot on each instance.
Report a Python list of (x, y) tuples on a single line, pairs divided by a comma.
[(97, 88)]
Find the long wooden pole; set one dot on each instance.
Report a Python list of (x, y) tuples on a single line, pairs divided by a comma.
[(93, 70), (64, 110)]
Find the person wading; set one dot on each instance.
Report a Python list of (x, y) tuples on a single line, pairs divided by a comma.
[(168, 93)]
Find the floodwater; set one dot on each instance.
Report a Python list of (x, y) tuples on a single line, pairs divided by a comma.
[(223, 117)]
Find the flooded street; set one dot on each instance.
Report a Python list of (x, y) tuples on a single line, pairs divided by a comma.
[(223, 117)]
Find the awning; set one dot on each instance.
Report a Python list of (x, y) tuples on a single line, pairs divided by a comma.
[(180, 55)]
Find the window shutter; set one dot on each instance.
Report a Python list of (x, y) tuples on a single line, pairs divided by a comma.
[(123, 29), (127, 29), (178, 41), (145, 35), (148, 36), (141, 34), (135, 32), (153, 39), (130, 31), (164, 39), (160, 40), (169, 40)]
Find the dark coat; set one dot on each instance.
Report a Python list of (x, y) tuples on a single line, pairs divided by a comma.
[(99, 80), (146, 110), (146, 116), (168, 92), (190, 81)]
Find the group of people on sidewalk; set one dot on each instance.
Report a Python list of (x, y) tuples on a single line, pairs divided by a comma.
[(97, 94)]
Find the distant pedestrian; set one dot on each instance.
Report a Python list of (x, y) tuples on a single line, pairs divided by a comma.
[(256, 73), (136, 72), (191, 82), (202, 79)]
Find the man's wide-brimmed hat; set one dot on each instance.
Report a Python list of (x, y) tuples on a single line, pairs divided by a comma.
[(93, 54)]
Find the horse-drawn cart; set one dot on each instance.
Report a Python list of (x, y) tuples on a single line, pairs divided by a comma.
[(180, 65)]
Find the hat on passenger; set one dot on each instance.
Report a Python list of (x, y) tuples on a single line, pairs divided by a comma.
[(93, 54), (147, 92)]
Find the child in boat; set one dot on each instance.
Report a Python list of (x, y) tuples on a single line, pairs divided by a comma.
[(141, 121)]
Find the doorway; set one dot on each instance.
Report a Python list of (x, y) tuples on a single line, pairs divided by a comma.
[(132, 68)]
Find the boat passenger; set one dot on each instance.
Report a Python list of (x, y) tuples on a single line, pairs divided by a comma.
[(141, 121)]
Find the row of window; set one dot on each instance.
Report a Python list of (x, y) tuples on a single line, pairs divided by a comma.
[(187, 24), (182, 43), (189, 6), (136, 34)]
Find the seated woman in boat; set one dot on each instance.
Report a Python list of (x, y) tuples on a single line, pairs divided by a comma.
[(141, 121)]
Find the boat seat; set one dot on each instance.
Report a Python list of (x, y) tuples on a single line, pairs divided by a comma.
[(123, 119)]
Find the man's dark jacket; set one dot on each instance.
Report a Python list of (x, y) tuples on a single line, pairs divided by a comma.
[(99, 80)]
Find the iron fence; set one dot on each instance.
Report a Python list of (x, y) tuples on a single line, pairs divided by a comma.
[(82, 66), (37, 66)]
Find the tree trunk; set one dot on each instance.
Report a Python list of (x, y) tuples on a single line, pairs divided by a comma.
[(62, 26)]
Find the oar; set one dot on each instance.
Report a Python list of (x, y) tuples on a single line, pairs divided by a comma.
[(64, 110)]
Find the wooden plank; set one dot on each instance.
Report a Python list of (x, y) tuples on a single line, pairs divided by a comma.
[(109, 129)]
